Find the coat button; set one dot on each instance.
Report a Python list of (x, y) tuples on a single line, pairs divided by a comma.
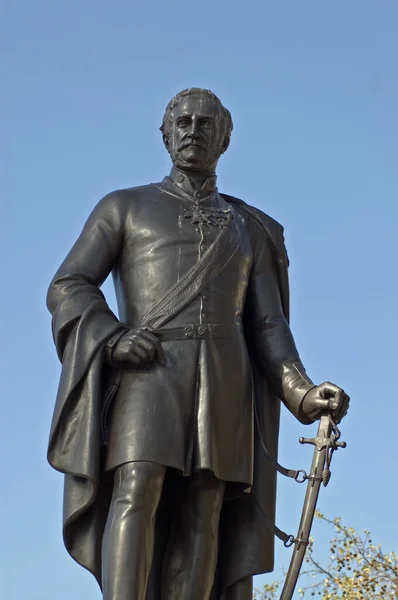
[(202, 329)]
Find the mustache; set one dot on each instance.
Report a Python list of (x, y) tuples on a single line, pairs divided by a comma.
[(192, 142)]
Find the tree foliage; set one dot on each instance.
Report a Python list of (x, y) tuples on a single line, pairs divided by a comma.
[(357, 569)]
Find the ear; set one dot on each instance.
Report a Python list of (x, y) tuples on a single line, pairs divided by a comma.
[(165, 140), (225, 144)]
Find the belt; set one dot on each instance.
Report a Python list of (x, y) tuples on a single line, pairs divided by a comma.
[(190, 332)]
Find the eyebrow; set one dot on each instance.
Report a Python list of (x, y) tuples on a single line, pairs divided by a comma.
[(204, 116)]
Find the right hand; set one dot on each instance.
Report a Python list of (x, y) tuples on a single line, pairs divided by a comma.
[(138, 347)]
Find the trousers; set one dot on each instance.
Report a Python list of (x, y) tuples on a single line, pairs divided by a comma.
[(190, 559)]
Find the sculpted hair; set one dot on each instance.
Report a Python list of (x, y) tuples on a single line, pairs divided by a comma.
[(225, 124)]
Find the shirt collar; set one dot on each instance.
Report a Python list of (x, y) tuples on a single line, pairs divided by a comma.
[(182, 181)]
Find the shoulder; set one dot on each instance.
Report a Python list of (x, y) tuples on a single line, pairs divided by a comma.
[(263, 223), (126, 195), (119, 202)]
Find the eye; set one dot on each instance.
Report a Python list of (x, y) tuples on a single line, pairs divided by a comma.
[(183, 122), (207, 123)]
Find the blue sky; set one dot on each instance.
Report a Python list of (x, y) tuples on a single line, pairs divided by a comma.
[(313, 91)]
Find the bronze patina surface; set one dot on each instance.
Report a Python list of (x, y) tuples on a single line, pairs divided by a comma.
[(154, 428)]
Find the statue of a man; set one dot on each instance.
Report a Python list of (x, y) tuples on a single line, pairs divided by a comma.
[(161, 413)]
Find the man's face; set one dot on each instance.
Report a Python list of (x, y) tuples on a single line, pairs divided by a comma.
[(194, 141)]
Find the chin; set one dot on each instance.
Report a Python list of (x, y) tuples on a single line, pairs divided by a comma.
[(192, 164)]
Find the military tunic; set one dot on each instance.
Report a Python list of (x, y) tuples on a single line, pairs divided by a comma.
[(195, 412)]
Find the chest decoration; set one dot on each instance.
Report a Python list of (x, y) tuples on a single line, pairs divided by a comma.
[(215, 217)]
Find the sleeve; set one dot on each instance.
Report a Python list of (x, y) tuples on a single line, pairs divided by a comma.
[(268, 331), (75, 288)]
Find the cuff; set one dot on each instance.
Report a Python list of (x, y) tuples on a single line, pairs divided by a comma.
[(296, 384), (111, 343), (301, 416)]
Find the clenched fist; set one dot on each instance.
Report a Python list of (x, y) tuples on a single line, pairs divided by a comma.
[(137, 347), (326, 397)]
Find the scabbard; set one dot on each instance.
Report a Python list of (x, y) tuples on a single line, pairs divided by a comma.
[(310, 502)]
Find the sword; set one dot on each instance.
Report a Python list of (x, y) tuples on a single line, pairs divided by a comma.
[(326, 442)]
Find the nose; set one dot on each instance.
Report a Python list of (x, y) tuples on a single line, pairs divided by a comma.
[(193, 130)]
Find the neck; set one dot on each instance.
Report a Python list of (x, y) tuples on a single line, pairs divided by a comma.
[(197, 178)]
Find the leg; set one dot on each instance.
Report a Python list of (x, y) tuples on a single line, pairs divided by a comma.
[(128, 541), (243, 590), (191, 557)]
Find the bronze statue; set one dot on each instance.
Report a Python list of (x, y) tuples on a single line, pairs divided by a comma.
[(161, 413)]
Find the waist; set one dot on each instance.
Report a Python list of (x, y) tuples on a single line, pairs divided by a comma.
[(205, 331)]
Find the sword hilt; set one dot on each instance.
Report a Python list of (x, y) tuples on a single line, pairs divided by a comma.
[(328, 440), (323, 442)]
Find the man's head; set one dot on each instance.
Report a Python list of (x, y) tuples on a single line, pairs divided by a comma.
[(196, 129)]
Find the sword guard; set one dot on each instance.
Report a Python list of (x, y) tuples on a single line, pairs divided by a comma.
[(319, 442), (323, 442)]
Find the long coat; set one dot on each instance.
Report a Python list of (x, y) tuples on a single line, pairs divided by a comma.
[(123, 235)]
